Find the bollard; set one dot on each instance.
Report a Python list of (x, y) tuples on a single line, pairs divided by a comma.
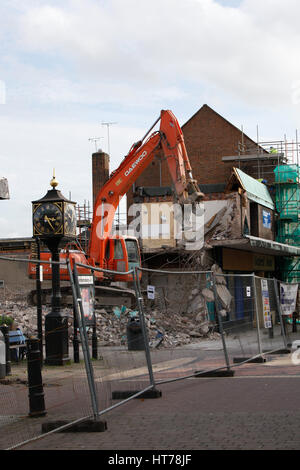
[(75, 339), (35, 383), (94, 343), (2, 356), (5, 330), (295, 316)]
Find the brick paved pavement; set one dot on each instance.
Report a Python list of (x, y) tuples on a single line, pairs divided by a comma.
[(257, 409)]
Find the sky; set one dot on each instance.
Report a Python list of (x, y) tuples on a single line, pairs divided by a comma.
[(66, 67)]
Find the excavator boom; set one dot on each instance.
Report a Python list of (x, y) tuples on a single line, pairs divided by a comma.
[(170, 139)]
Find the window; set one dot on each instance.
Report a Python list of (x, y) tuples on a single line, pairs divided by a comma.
[(118, 251), (107, 250), (254, 219), (132, 250)]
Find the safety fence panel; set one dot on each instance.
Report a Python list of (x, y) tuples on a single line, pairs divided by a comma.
[(121, 364), (62, 392), (101, 344), (268, 322), (289, 307), (92, 358), (236, 304), (183, 331)]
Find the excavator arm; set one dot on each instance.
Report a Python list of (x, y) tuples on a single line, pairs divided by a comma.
[(170, 139), (174, 149)]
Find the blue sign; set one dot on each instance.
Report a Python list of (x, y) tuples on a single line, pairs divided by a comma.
[(266, 219)]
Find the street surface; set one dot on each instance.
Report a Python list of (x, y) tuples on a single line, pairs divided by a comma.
[(256, 409)]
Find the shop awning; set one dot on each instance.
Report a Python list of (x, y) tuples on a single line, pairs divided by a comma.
[(255, 190), (258, 245)]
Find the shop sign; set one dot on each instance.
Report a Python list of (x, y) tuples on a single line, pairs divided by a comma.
[(288, 296), (266, 219), (87, 291), (263, 263), (266, 304)]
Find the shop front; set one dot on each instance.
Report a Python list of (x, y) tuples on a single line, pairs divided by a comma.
[(239, 260)]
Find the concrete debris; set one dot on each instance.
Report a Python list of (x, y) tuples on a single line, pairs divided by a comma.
[(197, 304), (220, 279), (204, 328), (208, 294), (224, 224), (224, 296), (223, 313), (164, 330), (195, 334)]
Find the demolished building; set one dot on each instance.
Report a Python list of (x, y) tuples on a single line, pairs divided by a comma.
[(236, 176)]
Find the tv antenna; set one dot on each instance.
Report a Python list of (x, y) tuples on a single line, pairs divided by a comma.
[(108, 124), (95, 140)]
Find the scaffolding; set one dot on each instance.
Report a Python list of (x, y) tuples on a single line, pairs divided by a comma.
[(84, 221), (287, 200), (259, 159), (276, 163), (84, 215)]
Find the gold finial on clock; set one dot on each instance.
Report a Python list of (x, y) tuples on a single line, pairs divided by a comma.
[(54, 181)]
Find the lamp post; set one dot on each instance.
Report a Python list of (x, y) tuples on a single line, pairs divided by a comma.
[(54, 222)]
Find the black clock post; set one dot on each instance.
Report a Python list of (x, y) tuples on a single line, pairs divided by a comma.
[(54, 222)]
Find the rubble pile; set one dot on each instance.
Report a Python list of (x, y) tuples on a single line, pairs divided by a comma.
[(169, 330), (178, 330), (24, 316), (178, 315)]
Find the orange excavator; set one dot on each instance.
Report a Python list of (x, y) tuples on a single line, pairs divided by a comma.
[(121, 253)]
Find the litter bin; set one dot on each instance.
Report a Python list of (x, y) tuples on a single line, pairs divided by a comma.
[(135, 338), (2, 356)]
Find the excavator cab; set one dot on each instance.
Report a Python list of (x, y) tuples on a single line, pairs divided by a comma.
[(122, 254)]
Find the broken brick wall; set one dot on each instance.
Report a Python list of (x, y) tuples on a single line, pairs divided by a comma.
[(226, 224)]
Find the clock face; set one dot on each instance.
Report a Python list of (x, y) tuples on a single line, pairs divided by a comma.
[(47, 219), (70, 220)]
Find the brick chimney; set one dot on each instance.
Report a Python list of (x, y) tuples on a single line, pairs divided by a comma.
[(100, 172)]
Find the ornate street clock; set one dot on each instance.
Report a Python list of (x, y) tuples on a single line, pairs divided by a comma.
[(54, 220), (54, 215), (47, 219)]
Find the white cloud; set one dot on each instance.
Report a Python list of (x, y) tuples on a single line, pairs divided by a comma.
[(69, 65), (31, 149), (245, 51)]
